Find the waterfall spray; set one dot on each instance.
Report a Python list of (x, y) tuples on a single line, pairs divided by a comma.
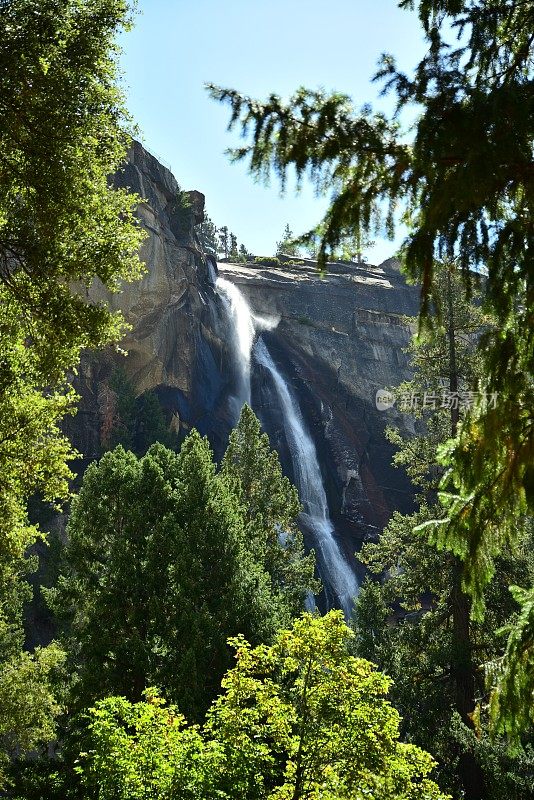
[(242, 332)]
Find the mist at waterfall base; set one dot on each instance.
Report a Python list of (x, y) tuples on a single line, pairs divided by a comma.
[(336, 574)]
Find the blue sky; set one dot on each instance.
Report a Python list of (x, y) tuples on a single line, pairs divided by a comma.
[(257, 47)]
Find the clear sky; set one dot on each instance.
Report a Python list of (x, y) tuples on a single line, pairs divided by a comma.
[(256, 47)]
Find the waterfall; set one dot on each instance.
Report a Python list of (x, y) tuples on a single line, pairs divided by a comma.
[(212, 272), (242, 333), (334, 569)]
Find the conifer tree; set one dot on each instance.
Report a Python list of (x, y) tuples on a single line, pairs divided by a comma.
[(271, 507), (208, 235), (224, 241), (287, 245), (436, 656), (157, 573), (243, 252), (234, 251)]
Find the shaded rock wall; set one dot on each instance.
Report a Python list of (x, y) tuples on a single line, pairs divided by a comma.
[(177, 342)]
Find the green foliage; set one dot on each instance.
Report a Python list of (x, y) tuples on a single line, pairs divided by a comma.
[(207, 233), (406, 626), (473, 100), (234, 252), (446, 369), (353, 248), (287, 244), (244, 254), (270, 507), (442, 177), (513, 676), (140, 751), (166, 559), (27, 701), (62, 136), (62, 225), (300, 719), (224, 241), (434, 652), (215, 240), (138, 422), (268, 261)]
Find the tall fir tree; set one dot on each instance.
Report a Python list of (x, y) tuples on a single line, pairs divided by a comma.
[(165, 560), (271, 507)]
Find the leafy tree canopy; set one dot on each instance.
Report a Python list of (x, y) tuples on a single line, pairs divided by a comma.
[(299, 719), (62, 225)]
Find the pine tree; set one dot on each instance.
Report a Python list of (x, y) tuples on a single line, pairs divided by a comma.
[(234, 251), (271, 507), (208, 235), (243, 253), (224, 241), (157, 573), (287, 246)]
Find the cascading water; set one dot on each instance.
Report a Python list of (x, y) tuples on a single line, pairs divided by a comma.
[(333, 568), (242, 331), (212, 273)]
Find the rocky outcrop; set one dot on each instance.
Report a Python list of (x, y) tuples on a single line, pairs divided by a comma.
[(175, 344), (169, 308)]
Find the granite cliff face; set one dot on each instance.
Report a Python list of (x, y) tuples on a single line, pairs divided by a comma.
[(175, 344), (336, 341)]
